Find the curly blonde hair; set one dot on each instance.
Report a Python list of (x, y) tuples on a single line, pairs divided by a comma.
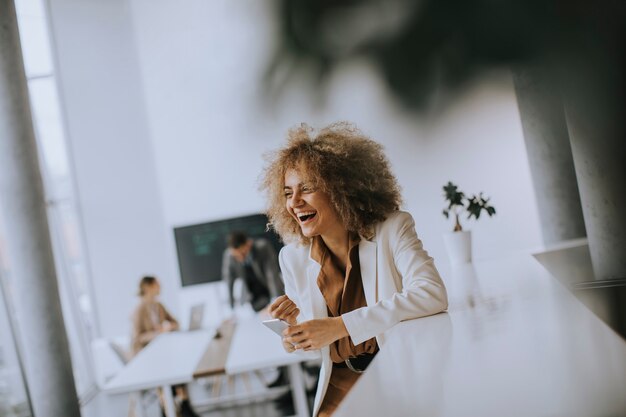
[(340, 161)]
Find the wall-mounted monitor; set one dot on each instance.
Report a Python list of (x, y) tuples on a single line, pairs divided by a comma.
[(200, 247)]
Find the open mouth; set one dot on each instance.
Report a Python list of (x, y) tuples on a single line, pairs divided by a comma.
[(306, 216)]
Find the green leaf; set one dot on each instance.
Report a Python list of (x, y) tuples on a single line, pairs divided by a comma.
[(453, 195), (477, 204)]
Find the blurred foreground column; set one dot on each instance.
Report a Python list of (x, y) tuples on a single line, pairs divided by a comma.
[(549, 156), (599, 148), (37, 304), (595, 105)]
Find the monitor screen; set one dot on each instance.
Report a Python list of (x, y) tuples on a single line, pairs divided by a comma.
[(200, 247)]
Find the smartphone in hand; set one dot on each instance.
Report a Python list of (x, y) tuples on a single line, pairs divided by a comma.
[(276, 325)]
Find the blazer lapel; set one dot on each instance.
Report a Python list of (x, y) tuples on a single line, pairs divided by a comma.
[(369, 275), (318, 303)]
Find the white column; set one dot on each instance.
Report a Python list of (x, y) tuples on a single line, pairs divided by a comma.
[(46, 351), (598, 141), (595, 104), (549, 155)]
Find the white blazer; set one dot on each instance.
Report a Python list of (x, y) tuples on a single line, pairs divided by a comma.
[(400, 282)]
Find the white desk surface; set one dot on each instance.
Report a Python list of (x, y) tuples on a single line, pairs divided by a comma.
[(169, 359), (254, 347), (523, 346)]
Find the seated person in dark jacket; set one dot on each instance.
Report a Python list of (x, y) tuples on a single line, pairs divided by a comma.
[(256, 262)]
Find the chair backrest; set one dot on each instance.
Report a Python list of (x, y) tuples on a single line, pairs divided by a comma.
[(123, 354), (108, 361), (196, 316)]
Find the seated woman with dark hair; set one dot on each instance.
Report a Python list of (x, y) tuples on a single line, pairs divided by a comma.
[(150, 319)]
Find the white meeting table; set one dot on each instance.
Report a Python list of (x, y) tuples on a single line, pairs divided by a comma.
[(168, 360), (174, 358), (255, 347), (514, 343)]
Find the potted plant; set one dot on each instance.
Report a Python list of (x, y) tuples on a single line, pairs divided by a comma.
[(459, 242)]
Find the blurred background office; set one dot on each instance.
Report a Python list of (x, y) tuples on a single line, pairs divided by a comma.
[(150, 116)]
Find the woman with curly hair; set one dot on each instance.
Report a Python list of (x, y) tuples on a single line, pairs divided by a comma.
[(353, 265)]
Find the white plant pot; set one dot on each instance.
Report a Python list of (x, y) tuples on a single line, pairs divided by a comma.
[(458, 246)]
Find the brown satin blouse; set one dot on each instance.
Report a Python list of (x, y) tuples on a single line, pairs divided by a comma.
[(343, 292), (147, 320)]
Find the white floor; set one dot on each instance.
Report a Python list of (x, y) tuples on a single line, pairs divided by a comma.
[(117, 406), (241, 396)]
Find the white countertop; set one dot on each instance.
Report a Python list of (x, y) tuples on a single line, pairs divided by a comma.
[(514, 343)]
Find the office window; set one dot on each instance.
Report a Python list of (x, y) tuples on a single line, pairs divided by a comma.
[(63, 216), (31, 16)]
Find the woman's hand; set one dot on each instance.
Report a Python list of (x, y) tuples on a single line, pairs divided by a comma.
[(166, 327), (285, 309), (288, 346), (315, 334)]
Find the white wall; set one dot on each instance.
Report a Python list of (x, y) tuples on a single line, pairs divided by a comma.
[(168, 122), (478, 145), (118, 194), (201, 66)]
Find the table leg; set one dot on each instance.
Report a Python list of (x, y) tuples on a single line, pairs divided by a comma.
[(168, 400), (298, 391), (136, 405)]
